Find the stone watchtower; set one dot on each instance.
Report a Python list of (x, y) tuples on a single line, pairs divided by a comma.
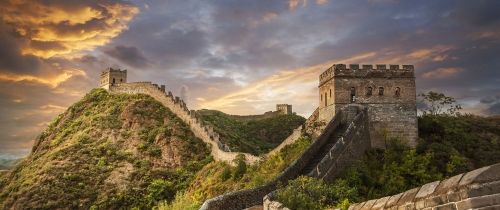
[(284, 108), (111, 76), (389, 95)]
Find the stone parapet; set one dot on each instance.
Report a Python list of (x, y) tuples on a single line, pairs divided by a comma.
[(365, 71), (247, 198), (478, 189)]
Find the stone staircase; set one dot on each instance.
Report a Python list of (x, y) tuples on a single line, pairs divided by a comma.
[(342, 141)]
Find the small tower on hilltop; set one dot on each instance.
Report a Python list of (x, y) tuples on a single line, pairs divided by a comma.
[(111, 77), (284, 108), (388, 93)]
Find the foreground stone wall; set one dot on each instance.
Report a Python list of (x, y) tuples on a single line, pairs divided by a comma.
[(206, 133), (247, 198), (478, 189)]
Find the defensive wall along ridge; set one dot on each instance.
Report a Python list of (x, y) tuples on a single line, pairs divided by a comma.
[(344, 139), (219, 151)]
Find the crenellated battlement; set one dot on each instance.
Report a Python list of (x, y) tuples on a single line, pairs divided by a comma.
[(219, 150), (367, 70)]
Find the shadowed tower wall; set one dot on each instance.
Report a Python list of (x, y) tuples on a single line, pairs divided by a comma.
[(111, 77), (284, 108), (388, 93)]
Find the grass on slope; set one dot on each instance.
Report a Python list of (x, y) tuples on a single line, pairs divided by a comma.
[(256, 134), (218, 178), (448, 145), (107, 151)]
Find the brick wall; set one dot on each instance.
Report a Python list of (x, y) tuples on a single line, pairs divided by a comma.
[(390, 114), (247, 198), (206, 133), (478, 189)]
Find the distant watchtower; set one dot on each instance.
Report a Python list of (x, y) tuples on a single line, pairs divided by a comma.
[(389, 94), (111, 76), (284, 108)]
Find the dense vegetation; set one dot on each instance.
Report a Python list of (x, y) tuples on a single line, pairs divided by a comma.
[(255, 134), (218, 178), (107, 151), (450, 143)]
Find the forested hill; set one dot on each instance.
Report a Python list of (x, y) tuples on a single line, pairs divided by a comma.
[(255, 134), (107, 151)]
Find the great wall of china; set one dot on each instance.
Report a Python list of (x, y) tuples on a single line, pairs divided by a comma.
[(219, 151), (345, 138)]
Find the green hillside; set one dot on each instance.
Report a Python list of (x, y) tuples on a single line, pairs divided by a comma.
[(107, 151), (448, 145), (255, 134)]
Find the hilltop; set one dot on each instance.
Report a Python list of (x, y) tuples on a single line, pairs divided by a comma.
[(116, 150), (106, 151), (255, 134)]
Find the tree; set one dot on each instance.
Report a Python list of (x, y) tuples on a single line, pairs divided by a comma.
[(438, 103)]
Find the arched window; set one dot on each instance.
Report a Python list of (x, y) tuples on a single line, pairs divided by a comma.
[(369, 91), (113, 80), (381, 91), (121, 80), (353, 94), (397, 93)]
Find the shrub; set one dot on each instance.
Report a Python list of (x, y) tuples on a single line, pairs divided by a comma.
[(305, 193), (241, 167)]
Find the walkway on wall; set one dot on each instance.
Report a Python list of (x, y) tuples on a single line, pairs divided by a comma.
[(341, 142), (206, 133), (478, 189)]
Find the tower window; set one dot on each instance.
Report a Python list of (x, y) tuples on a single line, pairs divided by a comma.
[(330, 93), (121, 80), (353, 94), (369, 91), (326, 103), (381, 91), (113, 80), (397, 93)]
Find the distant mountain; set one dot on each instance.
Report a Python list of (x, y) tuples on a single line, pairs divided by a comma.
[(6, 164)]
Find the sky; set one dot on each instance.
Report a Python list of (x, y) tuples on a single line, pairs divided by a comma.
[(240, 57)]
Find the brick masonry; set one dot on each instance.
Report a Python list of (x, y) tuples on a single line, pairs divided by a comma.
[(389, 94), (478, 189), (356, 132)]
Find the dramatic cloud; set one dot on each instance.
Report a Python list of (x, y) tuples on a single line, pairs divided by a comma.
[(65, 27), (128, 55), (241, 57), (442, 73)]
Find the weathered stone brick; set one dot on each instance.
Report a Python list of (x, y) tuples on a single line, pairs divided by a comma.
[(380, 203), (478, 202), (368, 204), (449, 206), (393, 200), (408, 196), (426, 190), (448, 185)]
